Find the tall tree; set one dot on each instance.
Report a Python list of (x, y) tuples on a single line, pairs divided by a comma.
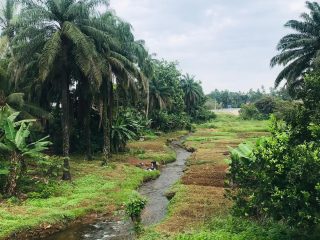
[(192, 90), (299, 51), (55, 27), (119, 60)]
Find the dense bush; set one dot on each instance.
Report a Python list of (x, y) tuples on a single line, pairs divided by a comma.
[(166, 122), (202, 114), (277, 179), (250, 111), (266, 105), (127, 126)]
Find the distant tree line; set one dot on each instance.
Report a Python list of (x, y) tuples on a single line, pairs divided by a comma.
[(226, 98)]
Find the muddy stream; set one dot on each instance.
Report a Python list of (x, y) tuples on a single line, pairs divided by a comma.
[(153, 213)]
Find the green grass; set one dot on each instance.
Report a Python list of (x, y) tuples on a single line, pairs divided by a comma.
[(209, 139), (231, 228), (192, 205), (94, 189), (231, 123), (160, 157)]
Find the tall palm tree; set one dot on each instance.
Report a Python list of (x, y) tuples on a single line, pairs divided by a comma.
[(159, 95), (7, 24), (56, 27), (299, 51), (115, 43), (192, 92)]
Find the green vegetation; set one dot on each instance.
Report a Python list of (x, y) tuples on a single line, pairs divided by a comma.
[(161, 157), (278, 180), (74, 81), (94, 189), (134, 207), (225, 99), (234, 229)]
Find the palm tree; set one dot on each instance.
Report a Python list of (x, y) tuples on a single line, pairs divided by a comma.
[(115, 43), (56, 27), (7, 25), (299, 51), (192, 92), (159, 95)]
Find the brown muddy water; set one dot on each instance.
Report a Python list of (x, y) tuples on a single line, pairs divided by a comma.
[(154, 212)]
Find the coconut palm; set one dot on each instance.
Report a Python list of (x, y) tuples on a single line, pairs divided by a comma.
[(299, 50), (192, 92), (56, 28)]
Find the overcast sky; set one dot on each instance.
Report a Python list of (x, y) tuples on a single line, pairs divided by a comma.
[(227, 44)]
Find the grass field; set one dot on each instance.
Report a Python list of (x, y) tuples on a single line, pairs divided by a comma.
[(200, 194)]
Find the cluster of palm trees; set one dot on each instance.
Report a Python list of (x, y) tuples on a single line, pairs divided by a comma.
[(58, 53), (54, 46)]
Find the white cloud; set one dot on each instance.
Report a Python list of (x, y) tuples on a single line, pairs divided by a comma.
[(226, 44)]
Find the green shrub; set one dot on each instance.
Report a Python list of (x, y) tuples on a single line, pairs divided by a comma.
[(202, 114), (167, 122), (40, 189), (277, 179), (134, 207), (250, 111), (127, 126), (266, 105)]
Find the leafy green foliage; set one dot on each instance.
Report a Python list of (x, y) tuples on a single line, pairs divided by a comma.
[(266, 105), (277, 179), (127, 126), (15, 134), (135, 205), (15, 144), (166, 122), (250, 111)]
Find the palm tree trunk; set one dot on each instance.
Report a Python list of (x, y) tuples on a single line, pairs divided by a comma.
[(65, 129), (11, 185), (87, 129), (148, 102), (107, 122), (85, 103), (106, 135)]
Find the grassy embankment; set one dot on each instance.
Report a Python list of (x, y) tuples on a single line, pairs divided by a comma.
[(94, 189), (199, 208)]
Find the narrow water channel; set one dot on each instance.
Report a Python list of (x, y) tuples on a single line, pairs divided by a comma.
[(154, 212)]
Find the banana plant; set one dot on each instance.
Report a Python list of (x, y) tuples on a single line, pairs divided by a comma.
[(239, 157), (14, 136)]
